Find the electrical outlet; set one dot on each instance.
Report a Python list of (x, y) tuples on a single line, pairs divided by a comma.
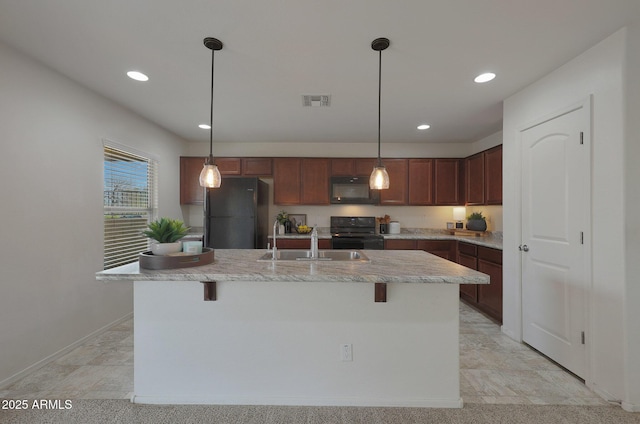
[(346, 352)]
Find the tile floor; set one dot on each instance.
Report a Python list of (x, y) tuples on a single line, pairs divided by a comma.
[(494, 369)]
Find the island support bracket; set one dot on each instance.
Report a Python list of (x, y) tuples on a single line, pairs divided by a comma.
[(209, 290), (380, 292)]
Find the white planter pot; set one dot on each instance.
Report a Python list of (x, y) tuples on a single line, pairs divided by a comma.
[(162, 249)]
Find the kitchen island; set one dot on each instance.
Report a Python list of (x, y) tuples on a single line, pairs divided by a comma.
[(299, 333)]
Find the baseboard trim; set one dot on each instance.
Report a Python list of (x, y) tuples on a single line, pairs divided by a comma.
[(294, 401), (630, 407), (41, 363)]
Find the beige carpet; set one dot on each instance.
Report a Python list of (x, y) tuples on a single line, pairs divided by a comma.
[(122, 411)]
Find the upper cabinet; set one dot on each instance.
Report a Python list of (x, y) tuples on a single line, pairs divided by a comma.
[(350, 167), (190, 191), (484, 177), (398, 192), (287, 179), (421, 182), (449, 184), (190, 166), (315, 182), (301, 181), (475, 180), (474, 176), (493, 176)]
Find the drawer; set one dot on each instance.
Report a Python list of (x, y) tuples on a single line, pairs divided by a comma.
[(467, 249), (490, 255), (468, 261)]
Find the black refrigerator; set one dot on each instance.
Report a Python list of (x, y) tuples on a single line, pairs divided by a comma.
[(237, 214)]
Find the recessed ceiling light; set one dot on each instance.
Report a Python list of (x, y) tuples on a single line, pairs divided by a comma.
[(486, 77), (205, 126), (424, 126), (138, 76)]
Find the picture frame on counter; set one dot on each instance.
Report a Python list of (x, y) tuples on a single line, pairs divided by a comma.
[(298, 219)]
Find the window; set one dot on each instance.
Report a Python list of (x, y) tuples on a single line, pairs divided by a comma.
[(130, 203)]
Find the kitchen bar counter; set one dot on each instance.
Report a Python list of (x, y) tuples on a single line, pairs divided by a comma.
[(400, 266), (299, 333)]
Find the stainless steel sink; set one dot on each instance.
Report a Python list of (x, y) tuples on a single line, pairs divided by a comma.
[(323, 255)]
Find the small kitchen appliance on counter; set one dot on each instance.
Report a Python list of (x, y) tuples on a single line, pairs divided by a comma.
[(394, 227), (353, 232)]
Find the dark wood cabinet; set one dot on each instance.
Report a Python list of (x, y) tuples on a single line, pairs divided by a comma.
[(484, 297), (448, 182), (483, 177), (190, 191), (285, 243), (443, 248), (287, 179), (300, 181), (467, 256), (190, 166), (257, 167), (364, 166), (315, 182), (493, 176), (343, 167), (421, 182), (417, 181), (474, 177), (490, 295), (349, 167), (229, 166), (398, 193), (399, 244)]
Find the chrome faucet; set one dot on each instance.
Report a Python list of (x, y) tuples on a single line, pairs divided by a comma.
[(314, 243), (274, 250)]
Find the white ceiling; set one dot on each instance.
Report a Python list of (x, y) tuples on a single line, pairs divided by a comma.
[(275, 51)]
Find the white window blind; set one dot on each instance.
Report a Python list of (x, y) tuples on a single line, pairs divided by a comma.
[(130, 203)]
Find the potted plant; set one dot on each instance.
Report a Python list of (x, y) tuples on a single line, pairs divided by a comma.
[(166, 232), (476, 222), (283, 220)]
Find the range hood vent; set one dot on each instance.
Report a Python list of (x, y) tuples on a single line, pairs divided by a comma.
[(316, 100)]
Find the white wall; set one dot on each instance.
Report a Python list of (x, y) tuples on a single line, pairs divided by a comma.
[(51, 178), (599, 71), (632, 223)]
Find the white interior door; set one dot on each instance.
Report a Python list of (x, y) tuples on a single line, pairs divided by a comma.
[(555, 220)]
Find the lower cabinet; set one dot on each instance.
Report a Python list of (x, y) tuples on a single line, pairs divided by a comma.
[(296, 243), (484, 297), (444, 248), (467, 256)]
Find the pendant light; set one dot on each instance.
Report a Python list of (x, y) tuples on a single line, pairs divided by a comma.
[(210, 175), (379, 178)]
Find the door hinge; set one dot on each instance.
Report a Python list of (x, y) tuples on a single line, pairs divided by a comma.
[(581, 137), (581, 237), (582, 337)]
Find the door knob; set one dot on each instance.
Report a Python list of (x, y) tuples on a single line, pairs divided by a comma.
[(523, 248)]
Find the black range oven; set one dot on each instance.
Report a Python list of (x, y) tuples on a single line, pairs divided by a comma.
[(355, 233)]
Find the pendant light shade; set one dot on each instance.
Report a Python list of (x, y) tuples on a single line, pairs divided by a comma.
[(210, 174), (379, 179)]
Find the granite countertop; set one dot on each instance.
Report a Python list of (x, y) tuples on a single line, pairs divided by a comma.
[(386, 266), (491, 239)]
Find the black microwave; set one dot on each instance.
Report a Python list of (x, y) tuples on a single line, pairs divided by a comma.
[(353, 190)]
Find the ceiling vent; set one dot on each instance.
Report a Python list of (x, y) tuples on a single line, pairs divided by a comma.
[(316, 100)]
